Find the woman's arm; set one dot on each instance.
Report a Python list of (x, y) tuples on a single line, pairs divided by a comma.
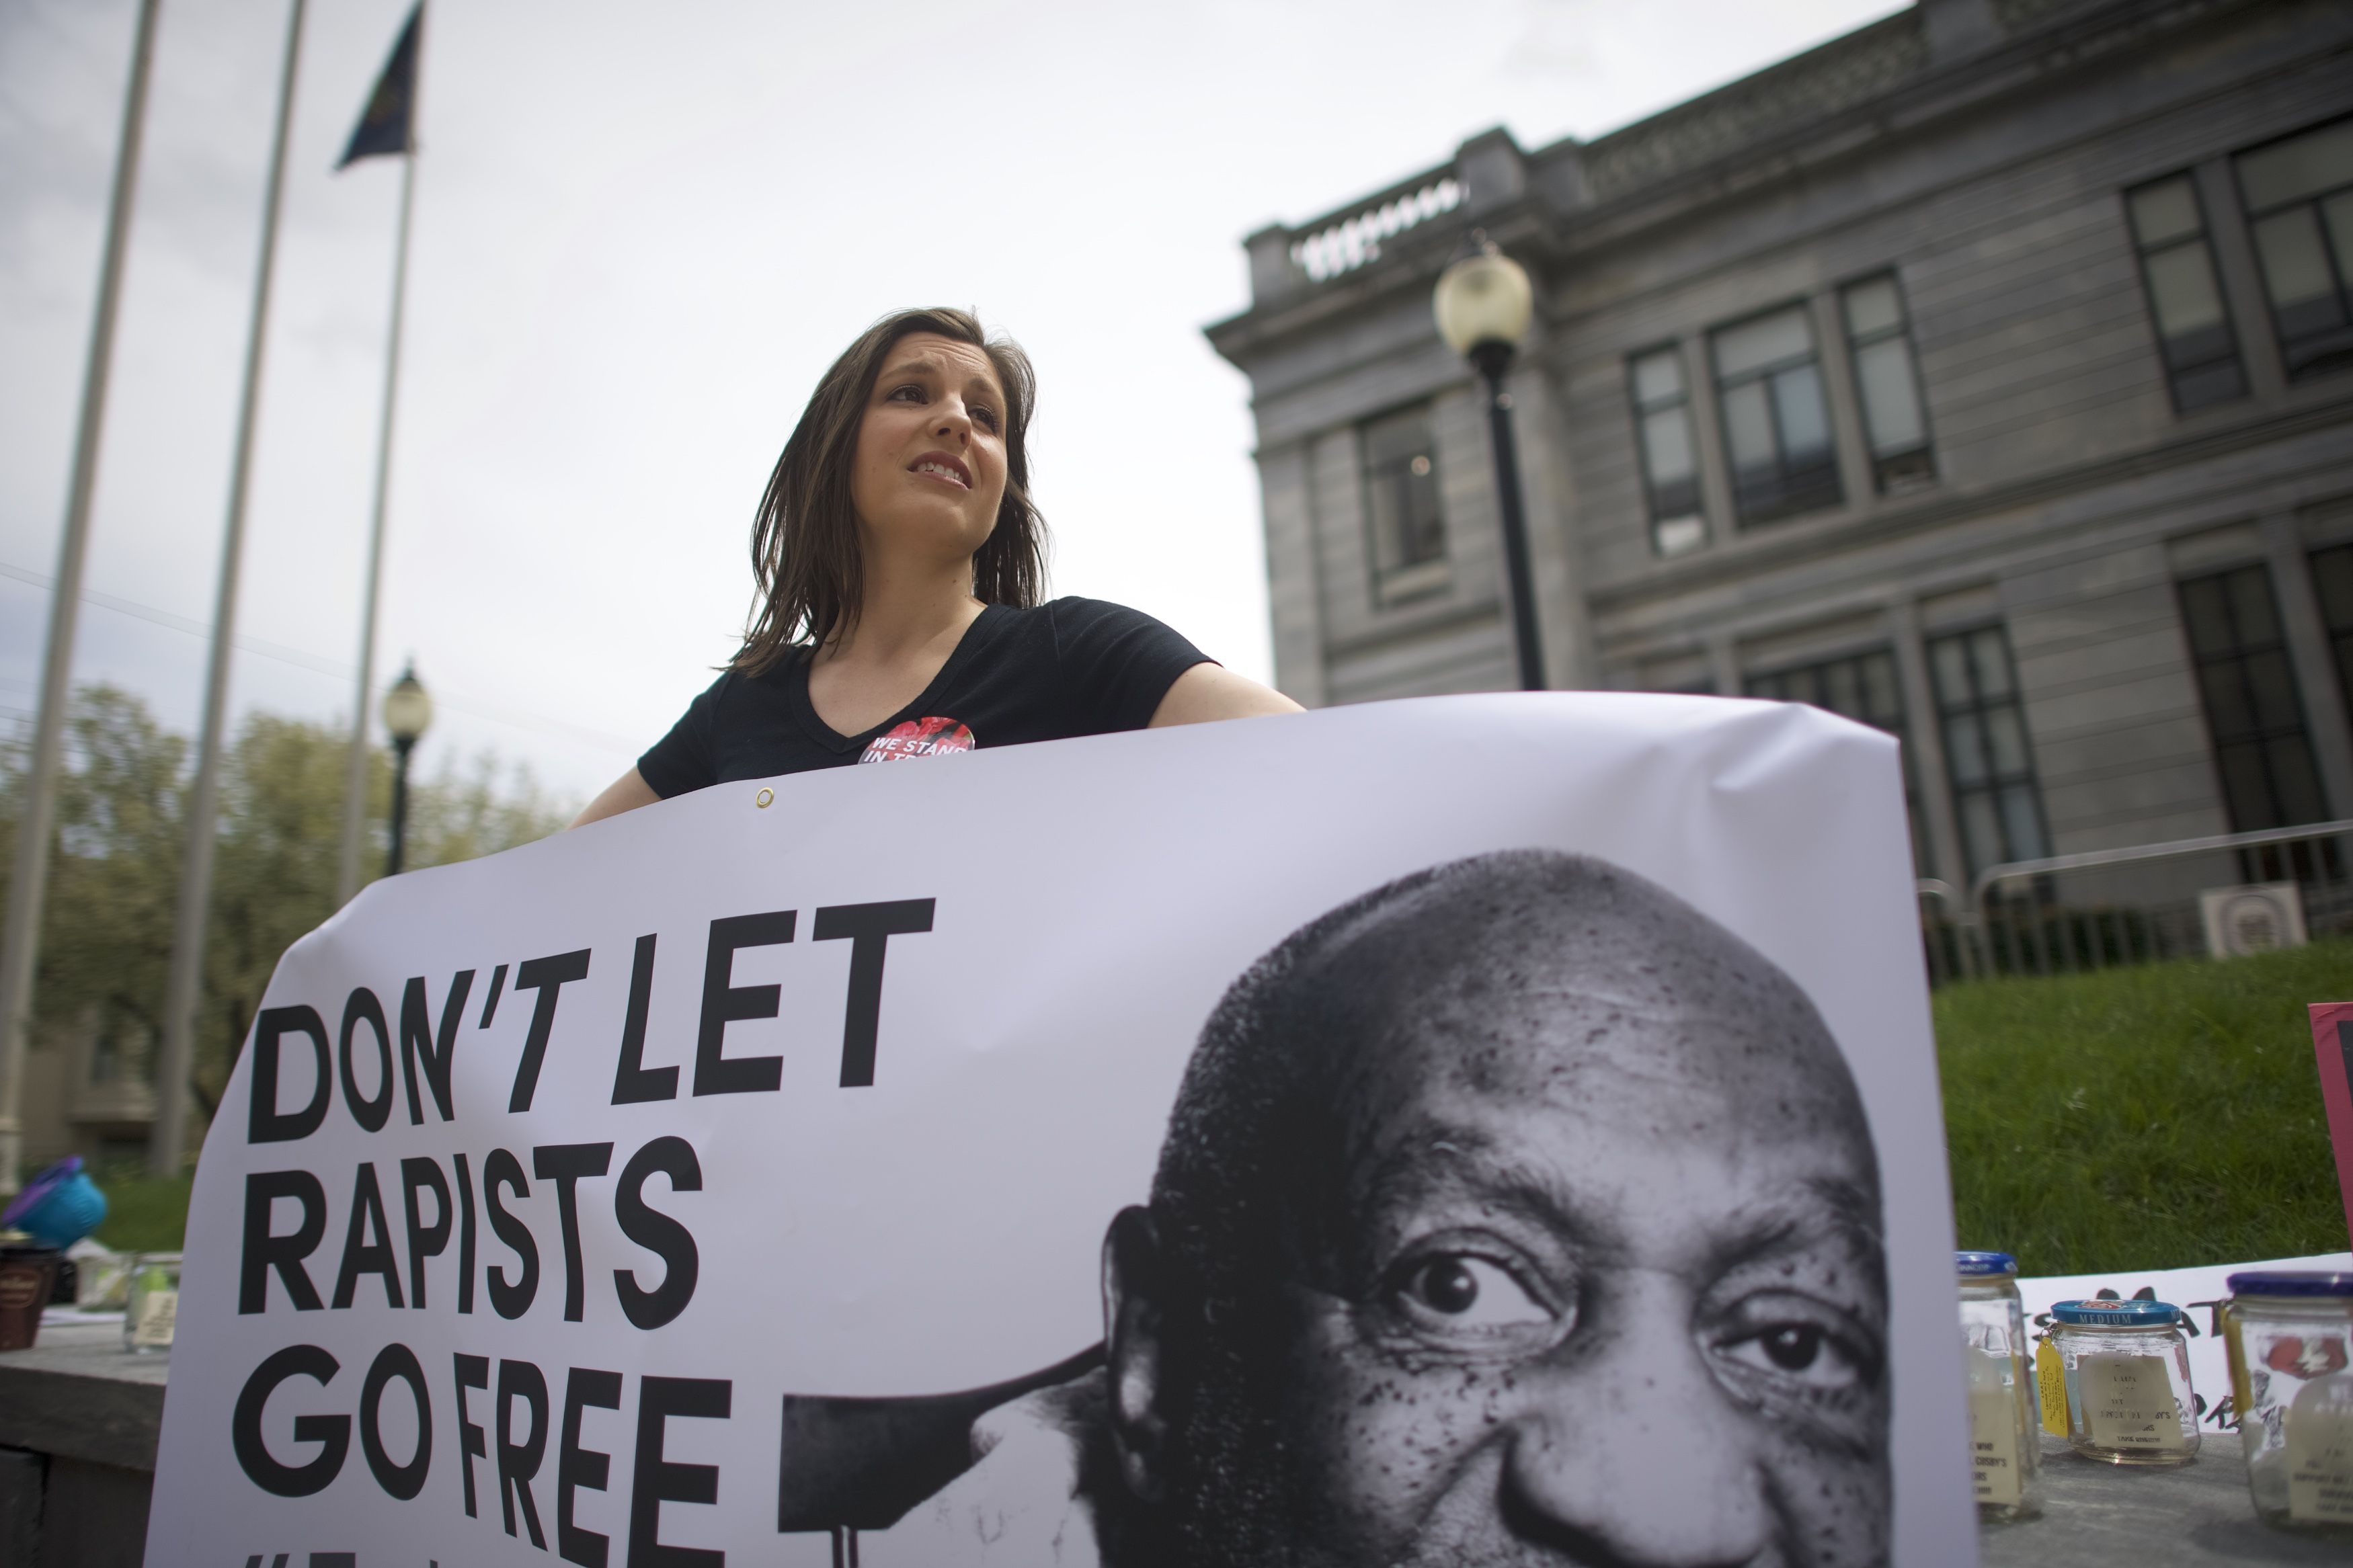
[(627, 793), (1203, 693), (1207, 692)]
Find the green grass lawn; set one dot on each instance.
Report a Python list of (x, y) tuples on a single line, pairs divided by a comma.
[(2149, 1118), (2158, 1117), (142, 1214)]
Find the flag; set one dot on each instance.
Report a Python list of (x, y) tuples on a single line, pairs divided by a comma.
[(388, 126)]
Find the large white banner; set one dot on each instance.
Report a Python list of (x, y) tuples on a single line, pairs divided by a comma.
[(1464, 1129)]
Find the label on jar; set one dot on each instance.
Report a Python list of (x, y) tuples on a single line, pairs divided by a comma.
[(2320, 1452), (156, 1312), (2050, 1388), (2128, 1403), (1993, 1446)]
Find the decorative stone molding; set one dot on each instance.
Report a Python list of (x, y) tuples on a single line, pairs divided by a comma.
[(1844, 73), (2014, 14), (1274, 274), (1957, 27), (1494, 171)]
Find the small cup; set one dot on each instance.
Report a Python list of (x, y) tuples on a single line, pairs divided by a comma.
[(28, 1273), (153, 1304), (2129, 1395)]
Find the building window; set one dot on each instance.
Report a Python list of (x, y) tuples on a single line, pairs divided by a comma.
[(2253, 709), (1401, 508), (2176, 265), (105, 1054), (1862, 687), (1880, 338), (1986, 755), (1777, 427), (2299, 199), (1670, 457), (2332, 580)]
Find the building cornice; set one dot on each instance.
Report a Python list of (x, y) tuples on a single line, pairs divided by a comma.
[(1567, 201)]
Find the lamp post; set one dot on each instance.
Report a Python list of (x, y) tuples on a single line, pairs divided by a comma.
[(408, 710), (1483, 304)]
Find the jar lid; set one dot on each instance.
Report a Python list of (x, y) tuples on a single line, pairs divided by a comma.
[(2117, 1314), (1974, 1264), (2290, 1282)]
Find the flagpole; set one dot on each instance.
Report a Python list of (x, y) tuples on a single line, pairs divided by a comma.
[(167, 1143), (20, 939), (355, 771)]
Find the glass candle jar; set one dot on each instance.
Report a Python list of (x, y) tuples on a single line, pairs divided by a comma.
[(2005, 1449), (2127, 1370), (153, 1304), (103, 1282), (2290, 1338)]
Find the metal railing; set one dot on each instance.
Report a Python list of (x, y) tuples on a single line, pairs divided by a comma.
[(2019, 917)]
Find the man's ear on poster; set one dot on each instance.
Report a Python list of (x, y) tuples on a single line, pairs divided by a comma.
[(1136, 1285)]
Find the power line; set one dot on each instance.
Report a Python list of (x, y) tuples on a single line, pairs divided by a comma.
[(196, 628), (473, 707)]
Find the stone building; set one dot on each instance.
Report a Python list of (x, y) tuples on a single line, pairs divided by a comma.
[(86, 1091), (1985, 373)]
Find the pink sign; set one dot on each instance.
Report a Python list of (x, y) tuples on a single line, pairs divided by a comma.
[(2332, 1043)]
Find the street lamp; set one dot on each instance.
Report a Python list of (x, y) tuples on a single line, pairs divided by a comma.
[(408, 710), (1483, 304)]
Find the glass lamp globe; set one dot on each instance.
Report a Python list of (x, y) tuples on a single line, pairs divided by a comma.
[(408, 706), (1485, 298)]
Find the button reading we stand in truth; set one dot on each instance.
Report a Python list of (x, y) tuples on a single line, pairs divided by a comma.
[(931, 737)]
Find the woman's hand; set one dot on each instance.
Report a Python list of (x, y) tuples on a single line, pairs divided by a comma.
[(1211, 691), (627, 793)]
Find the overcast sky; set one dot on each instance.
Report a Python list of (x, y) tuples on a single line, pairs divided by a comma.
[(642, 232)]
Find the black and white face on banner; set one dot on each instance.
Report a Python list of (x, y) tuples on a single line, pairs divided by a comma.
[(1483, 1130), (1486, 1197)]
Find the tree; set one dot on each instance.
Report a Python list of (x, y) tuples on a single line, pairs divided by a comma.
[(105, 940), (114, 879)]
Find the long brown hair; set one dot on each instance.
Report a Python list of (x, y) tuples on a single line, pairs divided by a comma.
[(806, 559)]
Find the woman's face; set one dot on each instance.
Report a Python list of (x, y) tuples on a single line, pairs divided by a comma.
[(930, 468)]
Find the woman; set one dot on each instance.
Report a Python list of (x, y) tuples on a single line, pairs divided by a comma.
[(899, 560)]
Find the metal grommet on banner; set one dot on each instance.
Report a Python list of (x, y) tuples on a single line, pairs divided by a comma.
[(763, 799)]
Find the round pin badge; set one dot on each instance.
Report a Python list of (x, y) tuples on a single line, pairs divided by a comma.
[(931, 737)]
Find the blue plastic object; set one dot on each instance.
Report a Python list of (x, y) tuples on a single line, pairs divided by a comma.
[(57, 1208), (1974, 1264)]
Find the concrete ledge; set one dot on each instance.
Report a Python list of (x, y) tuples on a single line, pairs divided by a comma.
[(79, 1395), (2196, 1513), (96, 1412)]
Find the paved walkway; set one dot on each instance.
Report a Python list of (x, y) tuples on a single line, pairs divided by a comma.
[(2114, 1517)]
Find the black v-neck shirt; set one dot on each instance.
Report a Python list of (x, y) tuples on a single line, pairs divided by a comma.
[(1074, 666)]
